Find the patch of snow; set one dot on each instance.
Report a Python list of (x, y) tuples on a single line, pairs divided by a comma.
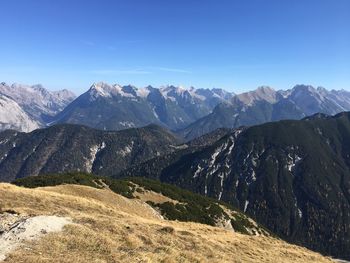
[(172, 92), (292, 161), (179, 147), (221, 176), (103, 145), (94, 150), (126, 150), (142, 92), (220, 194), (215, 155), (246, 158), (4, 141), (300, 213), (4, 157), (198, 171), (253, 176), (127, 124), (231, 146), (102, 89), (155, 113), (245, 205)]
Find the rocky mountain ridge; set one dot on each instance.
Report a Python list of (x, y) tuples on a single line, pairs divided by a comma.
[(266, 104), (38, 103), (116, 107), (67, 147)]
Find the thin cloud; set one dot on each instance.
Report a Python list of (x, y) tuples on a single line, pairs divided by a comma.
[(119, 72)]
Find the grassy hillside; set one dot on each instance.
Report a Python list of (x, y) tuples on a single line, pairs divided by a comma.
[(108, 227), (181, 205)]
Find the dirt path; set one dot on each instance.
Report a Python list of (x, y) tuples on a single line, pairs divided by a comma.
[(15, 230)]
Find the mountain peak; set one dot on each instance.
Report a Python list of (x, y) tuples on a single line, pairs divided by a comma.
[(261, 93), (305, 88), (129, 89), (38, 102), (100, 89), (64, 94), (265, 89)]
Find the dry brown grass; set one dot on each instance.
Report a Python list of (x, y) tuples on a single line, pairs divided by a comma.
[(111, 228)]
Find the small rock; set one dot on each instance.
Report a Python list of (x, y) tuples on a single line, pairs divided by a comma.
[(167, 229)]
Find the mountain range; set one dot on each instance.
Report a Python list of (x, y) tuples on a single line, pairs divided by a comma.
[(188, 112), (265, 104), (195, 112), (30, 107), (115, 107)]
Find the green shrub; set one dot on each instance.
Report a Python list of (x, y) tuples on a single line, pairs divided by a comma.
[(190, 207)]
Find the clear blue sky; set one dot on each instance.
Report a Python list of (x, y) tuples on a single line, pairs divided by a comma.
[(234, 44)]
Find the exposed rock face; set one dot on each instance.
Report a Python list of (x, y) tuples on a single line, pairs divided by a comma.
[(34, 104), (12, 116)]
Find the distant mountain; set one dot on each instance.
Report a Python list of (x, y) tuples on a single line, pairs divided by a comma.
[(189, 112), (12, 116), (40, 104), (291, 176), (265, 104), (115, 107), (78, 148)]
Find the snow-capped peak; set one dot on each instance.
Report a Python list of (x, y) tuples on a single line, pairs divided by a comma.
[(102, 89), (143, 92), (97, 90), (172, 92)]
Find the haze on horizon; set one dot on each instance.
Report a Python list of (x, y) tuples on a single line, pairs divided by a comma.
[(235, 45)]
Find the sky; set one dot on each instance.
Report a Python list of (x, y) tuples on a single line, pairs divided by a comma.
[(237, 45)]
